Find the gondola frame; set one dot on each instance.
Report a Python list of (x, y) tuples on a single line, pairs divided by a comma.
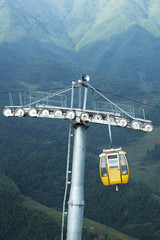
[(124, 176)]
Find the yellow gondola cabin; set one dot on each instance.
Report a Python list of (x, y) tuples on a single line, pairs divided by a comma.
[(113, 167)]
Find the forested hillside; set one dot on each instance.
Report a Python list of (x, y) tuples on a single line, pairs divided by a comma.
[(24, 219), (33, 162), (17, 222)]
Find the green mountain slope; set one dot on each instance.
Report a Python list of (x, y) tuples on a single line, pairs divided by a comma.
[(144, 160), (17, 222), (33, 160), (69, 23), (23, 218), (97, 229), (35, 65), (57, 39), (113, 18), (31, 19), (133, 55)]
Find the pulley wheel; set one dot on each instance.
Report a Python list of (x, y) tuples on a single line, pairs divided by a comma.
[(135, 124), (85, 117), (7, 112), (58, 113), (148, 127), (19, 112), (70, 115), (97, 117), (32, 112), (45, 112), (122, 122)]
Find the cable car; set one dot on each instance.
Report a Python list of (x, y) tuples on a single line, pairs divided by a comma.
[(113, 167)]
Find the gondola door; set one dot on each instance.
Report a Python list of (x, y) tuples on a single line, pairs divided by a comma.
[(114, 170)]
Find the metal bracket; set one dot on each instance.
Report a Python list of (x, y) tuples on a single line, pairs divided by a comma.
[(76, 204)]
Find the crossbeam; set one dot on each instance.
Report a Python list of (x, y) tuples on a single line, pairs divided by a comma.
[(99, 117)]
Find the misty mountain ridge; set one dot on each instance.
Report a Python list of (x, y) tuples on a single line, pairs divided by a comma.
[(119, 39), (72, 24)]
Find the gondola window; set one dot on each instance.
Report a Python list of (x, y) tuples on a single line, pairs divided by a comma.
[(104, 166)]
